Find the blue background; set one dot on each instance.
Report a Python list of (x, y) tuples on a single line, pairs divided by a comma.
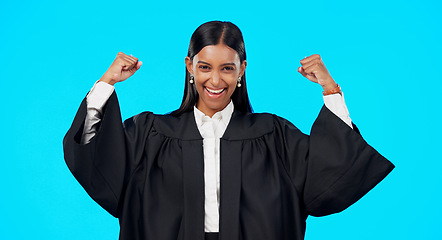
[(384, 54)]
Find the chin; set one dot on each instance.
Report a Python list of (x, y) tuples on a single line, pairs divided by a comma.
[(218, 106)]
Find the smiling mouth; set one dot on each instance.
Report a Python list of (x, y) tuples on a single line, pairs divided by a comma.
[(213, 91)]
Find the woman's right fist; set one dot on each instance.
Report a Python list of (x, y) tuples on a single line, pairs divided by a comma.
[(121, 69)]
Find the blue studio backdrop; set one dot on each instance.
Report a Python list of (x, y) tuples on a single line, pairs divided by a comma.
[(386, 55)]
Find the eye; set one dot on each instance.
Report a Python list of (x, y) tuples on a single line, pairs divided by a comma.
[(204, 67), (227, 68)]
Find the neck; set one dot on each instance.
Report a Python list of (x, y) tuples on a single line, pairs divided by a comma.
[(209, 111)]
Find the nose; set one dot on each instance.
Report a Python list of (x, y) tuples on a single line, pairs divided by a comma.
[(215, 78)]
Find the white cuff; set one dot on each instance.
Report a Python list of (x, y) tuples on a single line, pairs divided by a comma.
[(98, 96), (336, 104)]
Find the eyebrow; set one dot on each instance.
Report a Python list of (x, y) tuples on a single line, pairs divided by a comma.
[(221, 64)]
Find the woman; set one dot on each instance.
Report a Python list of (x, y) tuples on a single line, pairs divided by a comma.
[(212, 169)]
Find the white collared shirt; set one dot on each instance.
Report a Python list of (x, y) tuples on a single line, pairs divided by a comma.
[(212, 129)]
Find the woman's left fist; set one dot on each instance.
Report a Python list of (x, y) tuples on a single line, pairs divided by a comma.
[(314, 70)]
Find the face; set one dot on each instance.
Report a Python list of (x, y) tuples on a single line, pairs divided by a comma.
[(216, 69)]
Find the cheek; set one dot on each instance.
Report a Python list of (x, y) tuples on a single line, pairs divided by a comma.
[(201, 76), (229, 76), (199, 87), (232, 86), (231, 79)]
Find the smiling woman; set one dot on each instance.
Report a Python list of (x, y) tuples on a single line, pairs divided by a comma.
[(212, 169), (217, 72), (214, 40)]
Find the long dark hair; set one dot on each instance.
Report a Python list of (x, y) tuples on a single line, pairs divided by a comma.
[(212, 33)]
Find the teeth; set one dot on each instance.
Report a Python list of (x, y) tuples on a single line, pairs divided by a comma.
[(215, 91)]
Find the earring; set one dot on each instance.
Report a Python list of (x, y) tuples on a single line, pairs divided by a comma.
[(191, 81), (239, 82)]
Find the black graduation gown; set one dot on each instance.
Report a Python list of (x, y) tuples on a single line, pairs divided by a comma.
[(148, 172)]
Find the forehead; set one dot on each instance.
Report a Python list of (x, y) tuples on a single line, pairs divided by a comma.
[(219, 53)]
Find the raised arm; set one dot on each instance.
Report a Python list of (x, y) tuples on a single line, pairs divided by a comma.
[(313, 69), (121, 69), (104, 162), (342, 167)]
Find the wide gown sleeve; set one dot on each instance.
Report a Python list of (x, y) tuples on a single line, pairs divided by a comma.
[(338, 167), (104, 165)]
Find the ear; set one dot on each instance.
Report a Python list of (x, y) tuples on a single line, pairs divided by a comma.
[(189, 65), (242, 69)]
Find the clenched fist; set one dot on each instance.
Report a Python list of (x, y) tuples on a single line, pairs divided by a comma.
[(314, 70), (121, 69)]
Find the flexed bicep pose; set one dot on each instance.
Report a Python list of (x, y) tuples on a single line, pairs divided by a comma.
[(213, 169)]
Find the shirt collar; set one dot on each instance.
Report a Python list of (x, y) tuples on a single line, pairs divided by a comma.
[(223, 115)]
